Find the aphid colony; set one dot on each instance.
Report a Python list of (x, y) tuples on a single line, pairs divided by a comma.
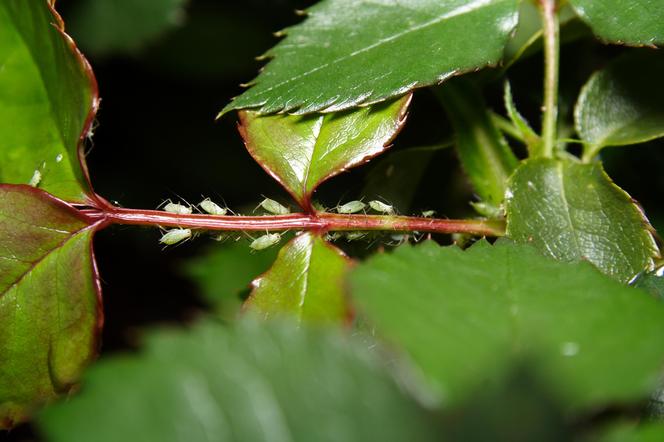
[(178, 235)]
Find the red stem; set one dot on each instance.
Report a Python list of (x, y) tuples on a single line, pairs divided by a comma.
[(297, 221)]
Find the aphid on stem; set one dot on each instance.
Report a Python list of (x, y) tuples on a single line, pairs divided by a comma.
[(273, 207), (175, 236), (212, 208), (177, 208), (428, 213), (352, 236), (381, 207), (351, 207), (265, 241)]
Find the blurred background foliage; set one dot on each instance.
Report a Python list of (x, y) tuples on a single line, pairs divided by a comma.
[(166, 67)]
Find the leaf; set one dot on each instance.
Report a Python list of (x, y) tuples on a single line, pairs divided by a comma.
[(623, 103), (222, 272), (112, 26), (303, 151), (573, 211), (467, 317), (306, 281), (631, 432), (357, 52), (485, 155), (635, 23), (651, 282), (257, 382), (48, 98), (50, 306)]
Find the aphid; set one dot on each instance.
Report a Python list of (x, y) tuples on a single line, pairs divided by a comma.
[(332, 236), (380, 206), (265, 241), (428, 213), (212, 208), (273, 207), (352, 236), (177, 208), (174, 236), (36, 178), (351, 207)]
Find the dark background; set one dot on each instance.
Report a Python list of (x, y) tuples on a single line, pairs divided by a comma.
[(157, 138)]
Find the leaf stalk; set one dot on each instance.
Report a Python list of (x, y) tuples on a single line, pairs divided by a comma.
[(549, 12)]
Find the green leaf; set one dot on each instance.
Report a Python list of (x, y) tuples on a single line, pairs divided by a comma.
[(573, 211), (634, 22), (257, 382), (224, 271), (303, 151), (111, 26), (353, 52), (651, 282), (467, 317), (623, 103), (485, 155), (306, 281), (50, 309), (48, 97), (631, 432)]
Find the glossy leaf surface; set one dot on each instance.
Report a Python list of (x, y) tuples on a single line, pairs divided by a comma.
[(47, 100), (485, 155), (573, 211), (50, 314), (306, 281), (107, 26), (352, 52), (257, 382), (303, 151), (466, 317), (634, 22), (623, 103)]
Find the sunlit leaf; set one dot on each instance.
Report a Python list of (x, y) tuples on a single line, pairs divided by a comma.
[(352, 52), (50, 315), (48, 97), (306, 281), (303, 151), (573, 211), (467, 317)]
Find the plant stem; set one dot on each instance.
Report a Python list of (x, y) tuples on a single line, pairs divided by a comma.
[(298, 221), (549, 13)]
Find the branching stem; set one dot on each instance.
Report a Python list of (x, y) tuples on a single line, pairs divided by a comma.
[(548, 9), (322, 221)]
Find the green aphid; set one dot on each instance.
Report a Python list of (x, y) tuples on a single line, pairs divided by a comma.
[(351, 207), (428, 213), (265, 241), (273, 207), (177, 208), (381, 207), (352, 236), (212, 208), (175, 236)]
